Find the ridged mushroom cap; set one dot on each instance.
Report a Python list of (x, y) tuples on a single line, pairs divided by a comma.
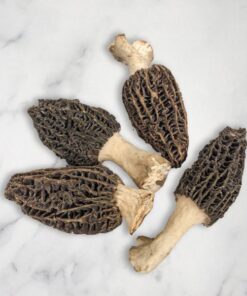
[(214, 180), (73, 199), (74, 131), (155, 106)]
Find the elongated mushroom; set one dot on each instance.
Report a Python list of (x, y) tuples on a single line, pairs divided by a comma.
[(204, 194), (153, 100), (80, 200), (85, 135)]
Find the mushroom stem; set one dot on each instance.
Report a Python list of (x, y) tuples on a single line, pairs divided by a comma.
[(134, 205), (137, 55), (148, 170), (149, 253)]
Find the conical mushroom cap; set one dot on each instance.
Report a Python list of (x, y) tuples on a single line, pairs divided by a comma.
[(214, 180), (74, 131), (73, 199), (155, 106)]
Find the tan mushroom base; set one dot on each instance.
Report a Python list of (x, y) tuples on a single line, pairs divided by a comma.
[(148, 170), (137, 55), (149, 253), (134, 205)]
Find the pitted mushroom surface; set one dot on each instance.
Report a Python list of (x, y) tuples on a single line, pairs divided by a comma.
[(205, 192), (85, 135), (156, 109), (153, 100), (89, 200)]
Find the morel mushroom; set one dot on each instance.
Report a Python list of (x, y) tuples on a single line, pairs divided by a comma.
[(80, 200), (204, 194), (153, 101), (85, 135)]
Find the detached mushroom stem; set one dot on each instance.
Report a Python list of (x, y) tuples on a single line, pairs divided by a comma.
[(149, 253)]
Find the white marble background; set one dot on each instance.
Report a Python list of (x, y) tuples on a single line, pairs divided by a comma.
[(57, 48)]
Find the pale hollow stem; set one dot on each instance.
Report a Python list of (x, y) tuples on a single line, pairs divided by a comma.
[(148, 170), (137, 55), (149, 253), (134, 205)]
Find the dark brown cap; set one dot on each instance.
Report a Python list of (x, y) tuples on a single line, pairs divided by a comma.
[(214, 180), (74, 131), (73, 199), (155, 106)]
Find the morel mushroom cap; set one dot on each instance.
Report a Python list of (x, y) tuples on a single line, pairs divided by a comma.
[(153, 101), (74, 131), (85, 135), (214, 180), (80, 200), (204, 194)]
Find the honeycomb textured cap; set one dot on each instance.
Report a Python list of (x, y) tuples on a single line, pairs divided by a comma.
[(73, 199), (214, 180), (155, 106), (74, 131)]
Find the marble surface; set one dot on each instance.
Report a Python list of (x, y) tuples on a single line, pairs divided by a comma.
[(57, 48)]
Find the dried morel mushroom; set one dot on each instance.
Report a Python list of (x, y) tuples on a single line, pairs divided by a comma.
[(79, 200), (153, 100), (204, 194), (85, 135)]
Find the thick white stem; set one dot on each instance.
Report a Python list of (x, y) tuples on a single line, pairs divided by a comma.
[(149, 253), (148, 170), (137, 55), (134, 205)]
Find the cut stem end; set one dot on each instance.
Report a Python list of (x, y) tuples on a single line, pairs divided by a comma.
[(148, 170), (156, 175), (134, 205)]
